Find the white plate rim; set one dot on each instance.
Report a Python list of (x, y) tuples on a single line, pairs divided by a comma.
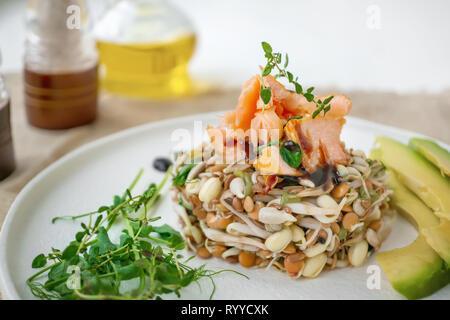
[(7, 287)]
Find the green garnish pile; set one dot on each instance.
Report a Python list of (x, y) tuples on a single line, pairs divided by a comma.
[(94, 267)]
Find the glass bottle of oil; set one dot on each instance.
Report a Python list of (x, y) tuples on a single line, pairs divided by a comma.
[(144, 48)]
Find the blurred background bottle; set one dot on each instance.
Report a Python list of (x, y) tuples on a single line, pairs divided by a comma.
[(60, 65), (7, 164), (144, 48)]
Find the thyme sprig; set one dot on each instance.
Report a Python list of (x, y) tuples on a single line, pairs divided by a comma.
[(275, 62)]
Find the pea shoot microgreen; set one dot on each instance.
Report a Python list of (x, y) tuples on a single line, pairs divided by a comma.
[(144, 253), (275, 62)]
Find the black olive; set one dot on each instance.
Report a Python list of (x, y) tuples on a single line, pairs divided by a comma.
[(322, 240), (162, 164)]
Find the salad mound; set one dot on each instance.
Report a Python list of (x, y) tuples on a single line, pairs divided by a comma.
[(276, 187)]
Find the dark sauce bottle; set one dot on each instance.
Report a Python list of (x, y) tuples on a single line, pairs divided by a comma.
[(61, 100), (60, 73)]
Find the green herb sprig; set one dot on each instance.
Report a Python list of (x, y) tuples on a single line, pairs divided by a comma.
[(145, 253), (275, 62)]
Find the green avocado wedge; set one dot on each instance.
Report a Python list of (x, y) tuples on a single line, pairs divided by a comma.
[(416, 173), (438, 237), (433, 152), (409, 206), (416, 270), (436, 232)]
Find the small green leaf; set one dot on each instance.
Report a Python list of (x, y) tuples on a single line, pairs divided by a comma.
[(128, 272), (70, 251), (39, 262), (169, 234), (145, 246), (58, 271), (290, 76), (316, 113), (266, 47), (125, 239), (298, 88), (265, 94), (79, 236), (328, 100), (310, 90), (292, 155), (181, 177), (142, 263), (286, 61), (103, 244), (97, 221), (267, 70), (168, 274), (309, 97), (102, 209), (116, 201)]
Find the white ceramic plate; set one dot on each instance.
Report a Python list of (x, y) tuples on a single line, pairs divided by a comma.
[(89, 176)]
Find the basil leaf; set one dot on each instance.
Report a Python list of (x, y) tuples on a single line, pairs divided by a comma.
[(292, 155), (181, 177)]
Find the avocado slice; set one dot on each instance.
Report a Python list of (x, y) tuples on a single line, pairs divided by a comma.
[(433, 152), (418, 174), (438, 237), (415, 271), (409, 206)]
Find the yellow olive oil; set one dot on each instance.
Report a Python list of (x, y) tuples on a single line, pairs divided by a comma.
[(153, 70)]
